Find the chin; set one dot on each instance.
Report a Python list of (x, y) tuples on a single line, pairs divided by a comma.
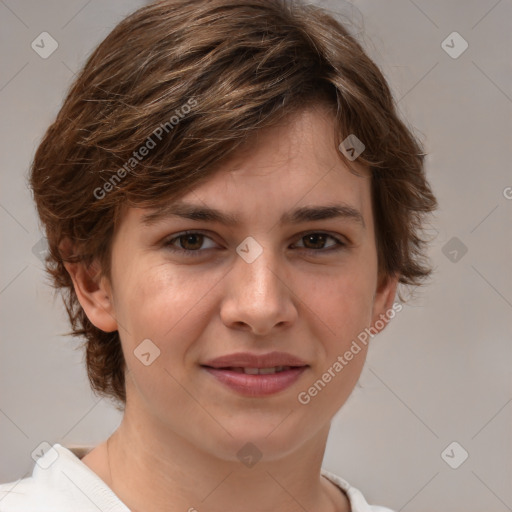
[(270, 440)]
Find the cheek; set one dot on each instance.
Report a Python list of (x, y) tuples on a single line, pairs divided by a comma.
[(163, 305), (342, 312), (154, 300), (340, 303)]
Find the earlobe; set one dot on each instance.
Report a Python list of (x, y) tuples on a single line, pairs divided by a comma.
[(94, 295), (383, 302)]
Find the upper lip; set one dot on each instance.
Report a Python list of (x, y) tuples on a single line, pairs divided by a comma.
[(248, 360)]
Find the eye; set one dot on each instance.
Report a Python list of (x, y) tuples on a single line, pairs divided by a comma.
[(189, 243), (317, 240)]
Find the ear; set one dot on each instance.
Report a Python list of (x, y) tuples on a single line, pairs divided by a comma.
[(383, 302), (93, 293)]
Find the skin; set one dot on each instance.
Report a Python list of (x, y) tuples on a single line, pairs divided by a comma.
[(176, 447)]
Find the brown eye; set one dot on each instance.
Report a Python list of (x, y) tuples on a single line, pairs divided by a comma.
[(191, 241), (316, 242)]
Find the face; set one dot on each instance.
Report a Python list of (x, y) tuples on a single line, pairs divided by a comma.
[(306, 287)]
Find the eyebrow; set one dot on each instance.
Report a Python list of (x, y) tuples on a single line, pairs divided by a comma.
[(297, 216)]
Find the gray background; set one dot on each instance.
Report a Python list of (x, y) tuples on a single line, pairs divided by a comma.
[(439, 373)]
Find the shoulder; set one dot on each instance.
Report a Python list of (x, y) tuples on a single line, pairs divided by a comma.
[(357, 501), (18, 495), (60, 482)]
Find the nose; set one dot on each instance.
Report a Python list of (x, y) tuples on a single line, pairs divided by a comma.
[(259, 296)]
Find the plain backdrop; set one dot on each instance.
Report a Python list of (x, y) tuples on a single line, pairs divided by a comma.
[(439, 374)]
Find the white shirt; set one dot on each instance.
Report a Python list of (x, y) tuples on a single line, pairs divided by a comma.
[(61, 482)]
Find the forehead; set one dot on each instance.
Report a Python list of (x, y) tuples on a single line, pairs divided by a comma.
[(287, 167)]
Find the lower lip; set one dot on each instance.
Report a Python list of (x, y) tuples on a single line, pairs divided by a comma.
[(256, 385)]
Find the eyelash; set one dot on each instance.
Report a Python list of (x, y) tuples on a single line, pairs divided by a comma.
[(195, 253)]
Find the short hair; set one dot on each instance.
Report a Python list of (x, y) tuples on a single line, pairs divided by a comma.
[(191, 81)]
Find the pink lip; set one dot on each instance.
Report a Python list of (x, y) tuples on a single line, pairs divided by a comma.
[(249, 360), (256, 385)]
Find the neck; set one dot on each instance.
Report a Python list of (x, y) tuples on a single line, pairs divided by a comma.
[(164, 472)]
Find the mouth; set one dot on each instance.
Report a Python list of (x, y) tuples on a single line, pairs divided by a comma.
[(254, 382), (256, 371)]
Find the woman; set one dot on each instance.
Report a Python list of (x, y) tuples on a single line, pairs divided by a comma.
[(230, 202)]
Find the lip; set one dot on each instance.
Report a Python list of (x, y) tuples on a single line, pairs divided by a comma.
[(249, 360), (256, 385)]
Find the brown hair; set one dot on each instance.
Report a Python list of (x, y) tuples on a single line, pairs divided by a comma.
[(190, 81)]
